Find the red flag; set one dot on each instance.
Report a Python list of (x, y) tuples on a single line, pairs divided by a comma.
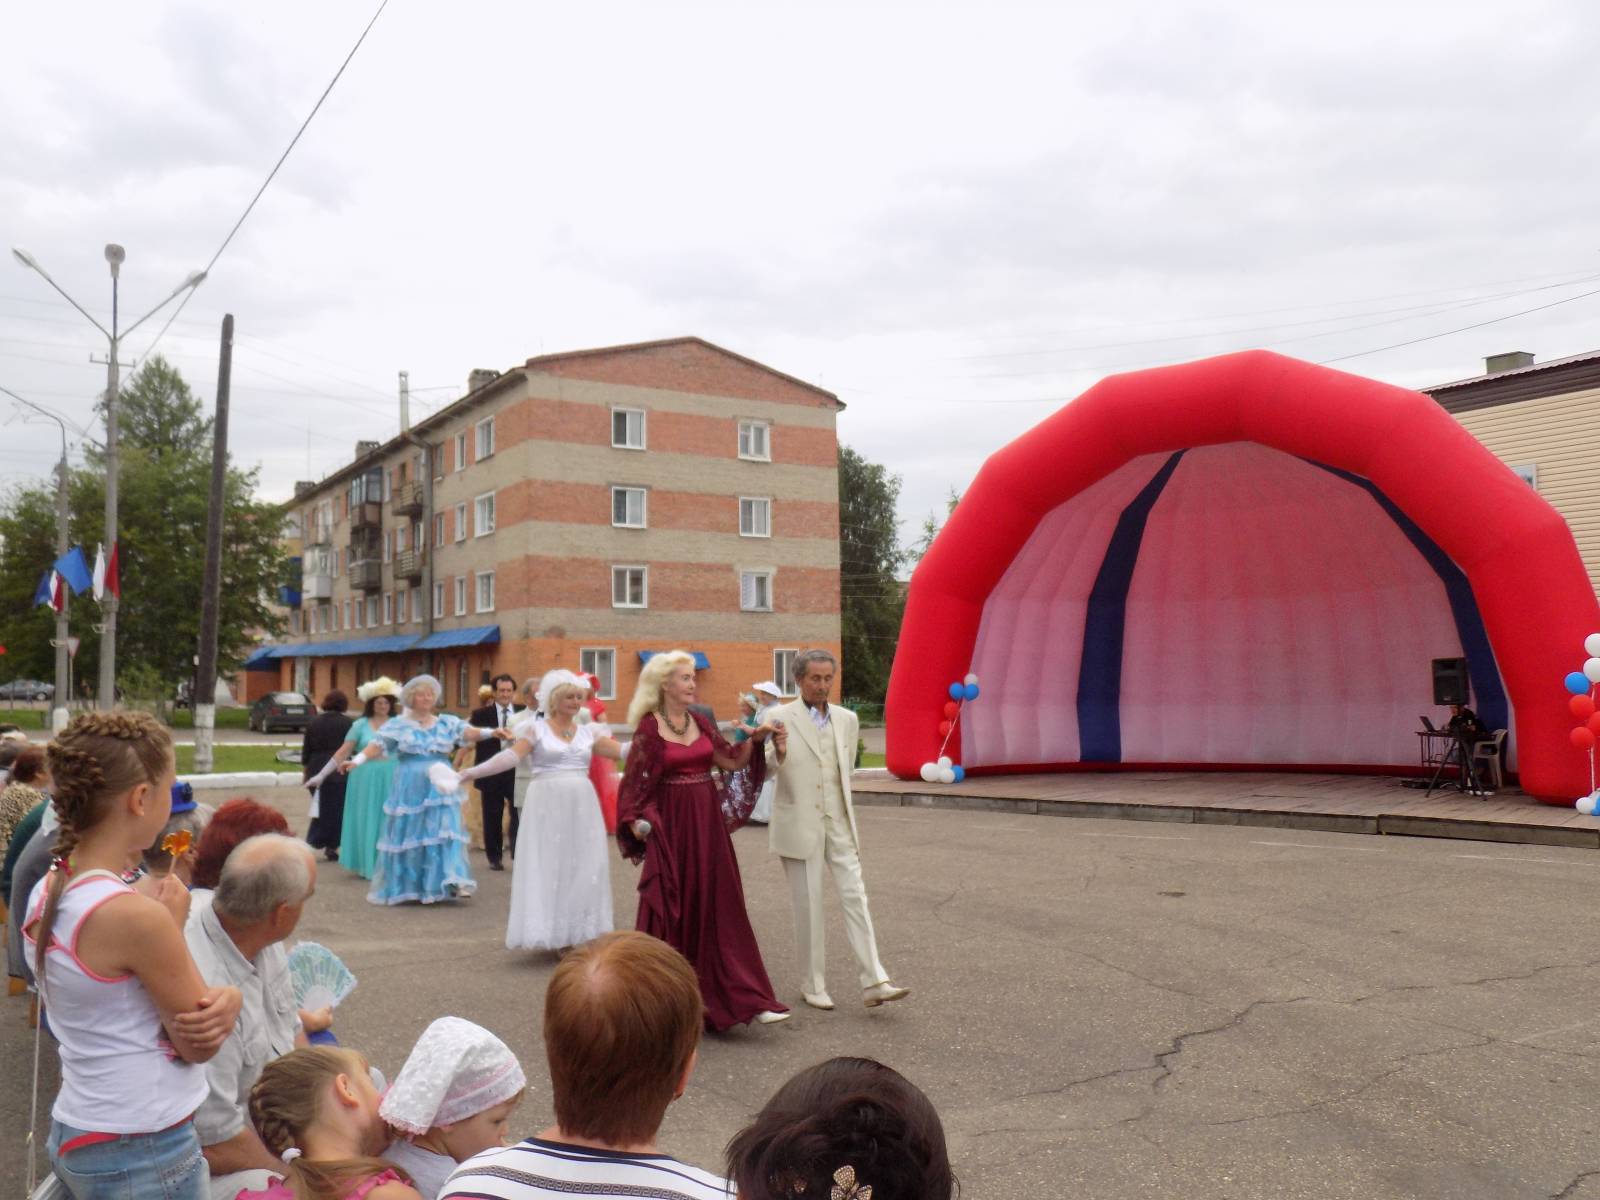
[(113, 572), (58, 591)]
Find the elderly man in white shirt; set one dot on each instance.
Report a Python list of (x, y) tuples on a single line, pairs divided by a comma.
[(235, 940)]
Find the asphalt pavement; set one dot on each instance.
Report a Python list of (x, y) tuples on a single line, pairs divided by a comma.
[(1106, 1009)]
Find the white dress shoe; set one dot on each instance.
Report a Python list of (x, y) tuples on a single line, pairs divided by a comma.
[(819, 1000), (882, 993), (771, 1018)]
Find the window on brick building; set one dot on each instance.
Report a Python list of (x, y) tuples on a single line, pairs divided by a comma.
[(486, 592), (602, 664), (483, 441), (755, 591), (483, 515), (400, 607), (388, 545), (348, 615), (296, 623), (388, 608), (439, 526), (461, 522), (755, 440), (438, 599), (783, 670), (755, 516), (628, 507), (461, 451), (416, 605), (436, 452), (372, 612), (630, 587), (462, 683), (461, 595), (360, 612), (627, 428)]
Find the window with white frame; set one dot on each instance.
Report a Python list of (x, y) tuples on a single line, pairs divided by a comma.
[(627, 507), (483, 439), (334, 614), (388, 545), (438, 599), (388, 608), (483, 516), (783, 670), (461, 522), (602, 664), (372, 612), (419, 536), (755, 591), (360, 612), (627, 428), (400, 540), (461, 595), (416, 605), (348, 615), (755, 516), (400, 607), (296, 623), (461, 685), (630, 587), (461, 457), (755, 440), (440, 524), (436, 452), (486, 592), (1529, 474)]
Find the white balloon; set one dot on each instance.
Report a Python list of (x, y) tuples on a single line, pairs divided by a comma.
[(1586, 805), (974, 678), (945, 761), (1591, 670), (930, 772), (947, 775), (1591, 645)]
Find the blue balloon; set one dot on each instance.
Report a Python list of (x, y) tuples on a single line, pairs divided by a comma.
[(970, 691), (957, 691), (1577, 683), (961, 772)]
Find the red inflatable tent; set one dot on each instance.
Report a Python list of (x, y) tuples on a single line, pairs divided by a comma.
[(1248, 561)]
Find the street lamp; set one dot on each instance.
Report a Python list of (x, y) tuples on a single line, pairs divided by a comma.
[(58, 717), (108, 603)]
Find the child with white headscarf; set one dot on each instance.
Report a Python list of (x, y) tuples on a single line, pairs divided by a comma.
[(450, 1101)]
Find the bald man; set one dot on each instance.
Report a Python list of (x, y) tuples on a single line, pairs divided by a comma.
[(236, 936)]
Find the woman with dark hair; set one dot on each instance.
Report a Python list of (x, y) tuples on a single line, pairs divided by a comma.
[(23, 793), (324, 735), (364, 796), (848, 1128)]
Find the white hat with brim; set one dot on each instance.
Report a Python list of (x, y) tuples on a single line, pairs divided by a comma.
[(766, 687)]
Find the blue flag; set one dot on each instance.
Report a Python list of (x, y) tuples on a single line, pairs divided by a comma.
[(42, 594), (74, 568)]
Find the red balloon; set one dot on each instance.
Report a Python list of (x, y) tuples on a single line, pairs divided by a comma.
[(1583, 737), (1594, 724), (944, 728), (1582, 707), (952, 708)]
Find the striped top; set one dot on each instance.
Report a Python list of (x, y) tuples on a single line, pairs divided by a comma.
[(536, 1169)]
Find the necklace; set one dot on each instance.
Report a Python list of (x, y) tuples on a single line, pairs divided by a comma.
[(684, 732), (567, 734)]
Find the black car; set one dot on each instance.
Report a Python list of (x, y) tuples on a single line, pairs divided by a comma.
[(282, 710)]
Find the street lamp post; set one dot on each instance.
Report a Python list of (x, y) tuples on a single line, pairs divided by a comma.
[(108, 602)]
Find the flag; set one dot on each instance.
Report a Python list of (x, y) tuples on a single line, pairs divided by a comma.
[(72, 567), (105, 574), (100, 571), (52, 590), (114, 572)]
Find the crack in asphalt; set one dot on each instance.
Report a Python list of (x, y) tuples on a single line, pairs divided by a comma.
[(1163, 1058), (1572, 1187)]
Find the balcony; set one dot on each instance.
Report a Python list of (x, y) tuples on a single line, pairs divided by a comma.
[(366, 576), (365, 543), (406, 500), (368, 515), (408, 565), (316, 587), (319, 534)]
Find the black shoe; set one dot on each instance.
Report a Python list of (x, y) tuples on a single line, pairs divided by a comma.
[(496, 866), (331, 854)]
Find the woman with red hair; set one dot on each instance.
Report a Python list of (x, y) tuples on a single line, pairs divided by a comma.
[(233, 822)]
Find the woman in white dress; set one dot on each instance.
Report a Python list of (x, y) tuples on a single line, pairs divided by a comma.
[(561, 877)]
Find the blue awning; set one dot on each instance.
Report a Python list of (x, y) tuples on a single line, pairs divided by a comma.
[(444, 639), (701, 662), (262, 658), (339, 647)]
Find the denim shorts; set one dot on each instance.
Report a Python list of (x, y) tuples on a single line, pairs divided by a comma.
[(136, 1166)]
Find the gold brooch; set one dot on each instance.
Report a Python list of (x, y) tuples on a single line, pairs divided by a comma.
[(845, 1186)]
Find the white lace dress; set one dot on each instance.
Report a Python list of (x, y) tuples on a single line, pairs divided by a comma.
[(561, 878)]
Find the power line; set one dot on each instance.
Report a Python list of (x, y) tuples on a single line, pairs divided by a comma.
[(1462, 329), (272, 174)]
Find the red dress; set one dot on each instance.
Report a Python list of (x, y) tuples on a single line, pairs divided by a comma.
[(690, 892)]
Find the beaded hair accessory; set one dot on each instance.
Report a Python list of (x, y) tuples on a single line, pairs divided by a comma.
[(845, 1186)]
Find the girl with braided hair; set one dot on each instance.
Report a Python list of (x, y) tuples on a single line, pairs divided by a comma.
[(125, 1000), (317, 1109)]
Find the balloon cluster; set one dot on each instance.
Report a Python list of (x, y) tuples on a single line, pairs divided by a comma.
[(944, 769), (1582, 704)]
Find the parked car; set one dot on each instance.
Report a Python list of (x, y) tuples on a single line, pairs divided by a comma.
[(282, 710), (27, 689)]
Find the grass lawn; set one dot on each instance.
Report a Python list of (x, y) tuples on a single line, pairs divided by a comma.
[(182, 718), (24, 718), (236, 758), (872, 760)]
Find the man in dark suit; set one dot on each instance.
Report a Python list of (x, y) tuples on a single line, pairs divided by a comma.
[(500, 790)]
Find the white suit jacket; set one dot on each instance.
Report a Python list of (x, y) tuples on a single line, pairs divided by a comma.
[(795, 830)]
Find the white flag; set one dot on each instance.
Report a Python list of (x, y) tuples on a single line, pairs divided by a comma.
[(100, 571)]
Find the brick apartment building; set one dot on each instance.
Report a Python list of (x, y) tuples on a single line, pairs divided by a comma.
[(583, 510)]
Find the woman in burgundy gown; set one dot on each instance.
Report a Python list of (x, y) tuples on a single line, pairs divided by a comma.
[(684, 791)]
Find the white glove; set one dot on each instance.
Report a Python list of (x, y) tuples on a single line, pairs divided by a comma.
[(317, 780), (443, 778), (503, 761)]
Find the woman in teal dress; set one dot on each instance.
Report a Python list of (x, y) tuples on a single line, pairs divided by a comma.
[(422, 850), (366, 793)]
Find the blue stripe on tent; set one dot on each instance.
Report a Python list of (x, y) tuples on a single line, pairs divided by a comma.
[(1100, 673), (1487, 689), (701, 662), (445, 639)]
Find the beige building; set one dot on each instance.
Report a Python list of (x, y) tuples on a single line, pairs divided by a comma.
[(1543, 421), (583, 510)]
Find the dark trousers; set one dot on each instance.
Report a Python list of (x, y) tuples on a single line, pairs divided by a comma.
[(497, 794)]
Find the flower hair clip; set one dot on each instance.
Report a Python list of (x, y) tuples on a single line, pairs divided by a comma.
[(845, 1186)]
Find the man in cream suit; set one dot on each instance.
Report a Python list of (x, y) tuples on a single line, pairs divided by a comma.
[(813, 823)]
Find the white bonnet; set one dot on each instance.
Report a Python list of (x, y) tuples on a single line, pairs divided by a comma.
[(555, 679), (455, 1071)]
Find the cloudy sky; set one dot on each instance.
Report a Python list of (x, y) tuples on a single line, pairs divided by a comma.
[(955, 215)]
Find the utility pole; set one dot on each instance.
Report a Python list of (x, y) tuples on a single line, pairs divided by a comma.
[(107, 698), (205, 698), (405, 401)]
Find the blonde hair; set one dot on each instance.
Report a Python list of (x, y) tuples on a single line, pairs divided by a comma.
[(287, 1100), (96, 758), (647, 696)]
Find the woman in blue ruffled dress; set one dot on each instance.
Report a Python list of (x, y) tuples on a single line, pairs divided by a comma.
[(422, 851)]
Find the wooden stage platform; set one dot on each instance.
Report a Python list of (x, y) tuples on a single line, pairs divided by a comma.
[(1337, 803)]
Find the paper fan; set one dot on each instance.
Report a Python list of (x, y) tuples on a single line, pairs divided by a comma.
[(319, 978)]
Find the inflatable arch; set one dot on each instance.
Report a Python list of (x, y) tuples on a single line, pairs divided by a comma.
[(1243, 562)]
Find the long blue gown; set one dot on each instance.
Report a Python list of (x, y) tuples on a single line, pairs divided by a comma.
[(422, 851)]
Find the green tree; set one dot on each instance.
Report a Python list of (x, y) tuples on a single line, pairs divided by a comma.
[(163, 502), (870, 560)]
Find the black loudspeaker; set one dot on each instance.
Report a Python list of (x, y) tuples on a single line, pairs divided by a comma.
[(1449, 681)]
